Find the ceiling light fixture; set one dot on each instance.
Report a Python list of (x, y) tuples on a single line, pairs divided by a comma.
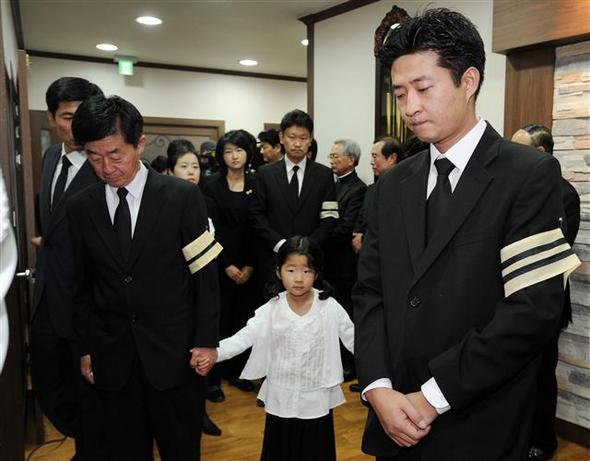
[(248, 62), (305, 42), (107, 47), (149, 20)]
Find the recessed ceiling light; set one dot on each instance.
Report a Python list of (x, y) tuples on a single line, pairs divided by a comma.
[(248, 62), (107, 47), (149, 20), (305, 42)]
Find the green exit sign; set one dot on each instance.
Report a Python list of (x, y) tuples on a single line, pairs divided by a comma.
[(125, 67)]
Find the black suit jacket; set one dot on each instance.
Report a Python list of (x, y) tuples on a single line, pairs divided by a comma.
[(275, 214), (152, 306), (54, 275), (340, 258), (571, 206), (440, 310)]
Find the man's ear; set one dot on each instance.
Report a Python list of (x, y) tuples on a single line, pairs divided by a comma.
[(470, 80), (141, 145), (541, 149), (51, 119)]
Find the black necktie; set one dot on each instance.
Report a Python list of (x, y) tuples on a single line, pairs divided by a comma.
[(122, 223), (294, 184), (439, 199), (60, 184)]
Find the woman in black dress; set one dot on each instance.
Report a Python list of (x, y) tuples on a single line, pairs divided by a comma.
[(231, 190)]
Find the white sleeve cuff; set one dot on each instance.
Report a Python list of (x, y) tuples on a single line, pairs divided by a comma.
[(435, 397), (382, 382), (278, 245)]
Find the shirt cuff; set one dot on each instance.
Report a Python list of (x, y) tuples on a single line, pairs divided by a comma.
[(278, 245), (382, 382), (435, 397)]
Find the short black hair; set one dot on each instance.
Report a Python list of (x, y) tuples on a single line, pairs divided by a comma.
[(270, 137), (177, 149), (159, 163), (68, 89), (414, 145), (449, 34), (313, 150), (304, 246), (392, 146), (240, 138), (99, 117), (297, 118), (541, 137)]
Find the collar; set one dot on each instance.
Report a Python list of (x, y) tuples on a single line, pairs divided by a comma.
[(462, 151), (77, 158), (137, 184), (290, 164), (340, 178)]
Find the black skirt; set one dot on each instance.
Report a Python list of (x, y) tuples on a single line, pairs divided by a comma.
[(293, 439)]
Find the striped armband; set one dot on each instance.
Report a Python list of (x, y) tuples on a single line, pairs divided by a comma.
[(535, 259), (201, 251), (329, 210)]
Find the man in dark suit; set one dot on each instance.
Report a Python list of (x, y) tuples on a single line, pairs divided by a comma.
[(146, 291), (460, 281), (340, 259), (294, 196), (54, 360), (543, 440)]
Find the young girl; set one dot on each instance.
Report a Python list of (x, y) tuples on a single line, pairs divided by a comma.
[(294, 340)]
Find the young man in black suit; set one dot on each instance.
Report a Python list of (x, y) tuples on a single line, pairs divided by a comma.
[(543, 439), (461, 274), (146, 291), (54, 361), (294, 196)]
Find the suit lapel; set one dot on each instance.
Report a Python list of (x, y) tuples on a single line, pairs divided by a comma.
[(102, 220), (83, 178), (344, 186), (151, 202), (283, 183), (472, 184), (413, 200), (308, 183), (54, 154)]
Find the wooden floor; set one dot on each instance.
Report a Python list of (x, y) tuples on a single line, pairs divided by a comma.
[(242, 423)]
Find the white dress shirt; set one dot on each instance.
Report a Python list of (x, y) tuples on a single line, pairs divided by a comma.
[(298, 354), (134, 194), (77, 159), (459, 155)]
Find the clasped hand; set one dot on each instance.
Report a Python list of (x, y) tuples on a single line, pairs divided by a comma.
[(406, 418), (203, 359)]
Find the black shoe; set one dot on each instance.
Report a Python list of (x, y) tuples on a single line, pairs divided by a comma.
[(209, 427), (538, 454), (243, 384), (215, 394), (259, 403), (356, 387)]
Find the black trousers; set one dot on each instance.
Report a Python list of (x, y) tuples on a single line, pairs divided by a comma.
[(138, 413), (543, 434), (67, 400)]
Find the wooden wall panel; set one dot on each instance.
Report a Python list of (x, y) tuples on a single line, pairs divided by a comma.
[(534, 22), (529, 89)]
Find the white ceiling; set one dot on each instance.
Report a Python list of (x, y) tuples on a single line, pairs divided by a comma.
[(204, 33)]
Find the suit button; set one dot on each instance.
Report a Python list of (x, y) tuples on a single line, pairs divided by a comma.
[(128, 279), (415, 301), (133, 318)]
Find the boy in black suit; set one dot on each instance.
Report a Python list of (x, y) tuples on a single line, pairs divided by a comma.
[(134, 233)]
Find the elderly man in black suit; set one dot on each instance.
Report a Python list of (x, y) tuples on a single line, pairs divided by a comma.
[(543, 439), (54, 361), (461, 273), (294, 196), (147, 289)]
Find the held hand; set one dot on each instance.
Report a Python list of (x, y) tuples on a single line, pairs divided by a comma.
[(400, 420), (233, 272), (428, 412), (246, 274), (357, 242), (86, 368), (37, 241), (203, 359)]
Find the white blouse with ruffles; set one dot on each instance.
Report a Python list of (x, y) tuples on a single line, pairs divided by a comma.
[(299, 355)]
